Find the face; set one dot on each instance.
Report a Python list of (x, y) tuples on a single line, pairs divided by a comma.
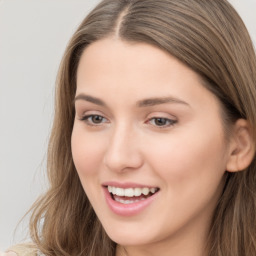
[(147, 143)]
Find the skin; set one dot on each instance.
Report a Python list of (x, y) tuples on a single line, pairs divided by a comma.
[(185, 159), (185, 154)]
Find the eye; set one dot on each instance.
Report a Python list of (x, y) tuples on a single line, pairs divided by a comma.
[(94, 119), (162, 122)]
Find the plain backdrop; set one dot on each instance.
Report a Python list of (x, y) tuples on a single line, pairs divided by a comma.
[(33, 36)]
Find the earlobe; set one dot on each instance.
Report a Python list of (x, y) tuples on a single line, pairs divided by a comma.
[(242, 147)]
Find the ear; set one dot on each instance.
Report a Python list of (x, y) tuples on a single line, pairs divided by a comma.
[(242, 147)]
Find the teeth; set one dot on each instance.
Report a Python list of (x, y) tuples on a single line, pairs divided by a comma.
[(145, 191), (128, 201), (137, 192), (131, 192), (119, 191), (128, 192), (153, 190)]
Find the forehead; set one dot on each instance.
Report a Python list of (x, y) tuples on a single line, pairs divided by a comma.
[(112, 69), (109, 58), (117, 54)]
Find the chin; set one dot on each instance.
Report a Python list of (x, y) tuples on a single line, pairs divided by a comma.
[(131, 238)]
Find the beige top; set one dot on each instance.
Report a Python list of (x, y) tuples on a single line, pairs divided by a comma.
[(25, 250)]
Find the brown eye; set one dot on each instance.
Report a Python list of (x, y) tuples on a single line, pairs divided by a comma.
[(97, 119), (94, 119), (162, 122)]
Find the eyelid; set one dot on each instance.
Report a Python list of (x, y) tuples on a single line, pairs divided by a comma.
[(170, 119)]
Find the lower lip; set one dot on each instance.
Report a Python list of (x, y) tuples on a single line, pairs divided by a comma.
[(127, 209)]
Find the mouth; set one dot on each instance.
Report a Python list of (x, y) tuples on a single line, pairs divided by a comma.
[(131, 195), (129, 199)]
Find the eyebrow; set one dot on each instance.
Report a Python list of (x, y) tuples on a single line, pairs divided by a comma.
[(91, 99), (158, 101), (141, 103)]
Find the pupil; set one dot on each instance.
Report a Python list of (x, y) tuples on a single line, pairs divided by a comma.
[(97, 119), (160, 121)]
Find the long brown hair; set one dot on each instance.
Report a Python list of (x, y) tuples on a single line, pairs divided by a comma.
[(210, 38)]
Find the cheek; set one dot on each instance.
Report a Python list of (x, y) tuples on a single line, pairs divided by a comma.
[(87, 152), (191, 171), (193, 156)]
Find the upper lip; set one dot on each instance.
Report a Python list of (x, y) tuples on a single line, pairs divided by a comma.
[(126, 185)]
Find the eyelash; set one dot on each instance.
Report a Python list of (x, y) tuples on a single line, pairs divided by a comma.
[(88, 120), (170, 122)]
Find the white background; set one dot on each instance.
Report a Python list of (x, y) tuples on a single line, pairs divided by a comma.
[(33, 36)]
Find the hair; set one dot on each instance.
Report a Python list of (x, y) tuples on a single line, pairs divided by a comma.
[(211, 39)]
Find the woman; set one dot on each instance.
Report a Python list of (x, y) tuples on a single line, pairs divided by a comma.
[(153, 144)]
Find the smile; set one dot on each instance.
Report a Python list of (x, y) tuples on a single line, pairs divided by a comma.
[(131, 192), (130, 195), (130, 200)]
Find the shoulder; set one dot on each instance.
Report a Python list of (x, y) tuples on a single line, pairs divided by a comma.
[(23, 250), (8, 254)]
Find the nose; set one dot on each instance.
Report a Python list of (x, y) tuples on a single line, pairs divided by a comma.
[(122, 153)]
